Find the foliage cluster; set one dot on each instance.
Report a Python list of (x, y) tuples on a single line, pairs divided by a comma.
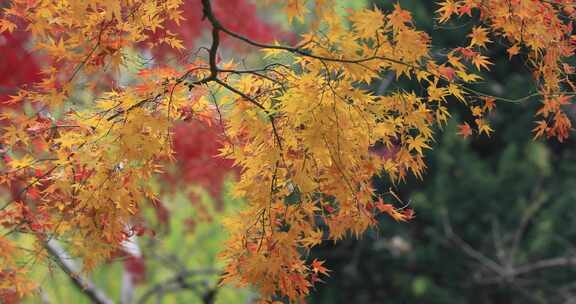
[(302, 128)]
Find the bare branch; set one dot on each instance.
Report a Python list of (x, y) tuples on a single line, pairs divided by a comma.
[(85, 285), (547, 263), (179, 282), (470, 251)]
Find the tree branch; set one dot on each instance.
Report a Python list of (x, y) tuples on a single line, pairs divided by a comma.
[(178, 282), (547, 263), (254, 102), (70, 268)]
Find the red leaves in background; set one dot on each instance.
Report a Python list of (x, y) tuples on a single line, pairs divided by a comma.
[(8, 296), (17, 66), (196, 145), (239, 16), (136, 267)]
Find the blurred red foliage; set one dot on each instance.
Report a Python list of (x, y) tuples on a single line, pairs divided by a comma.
[(17, 65), (196, 145), (239, 16)]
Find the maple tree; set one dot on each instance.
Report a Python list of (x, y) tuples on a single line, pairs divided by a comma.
[(302, 128)]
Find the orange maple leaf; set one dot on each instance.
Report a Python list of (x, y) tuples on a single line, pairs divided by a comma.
[(540, 129), (489, 103), (318, 268), (481, 62), (513, 50), (399, 215)]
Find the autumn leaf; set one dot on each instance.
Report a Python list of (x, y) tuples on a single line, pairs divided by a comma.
[(446, 10), (540, 129), (417, 143), (318, 268), (398, 215), (367, 22), (483, 127), (479, 37), (464, 130), (477, 111), (21, 163), (513, 50), (489, 103), (481, 62), (295, 9)]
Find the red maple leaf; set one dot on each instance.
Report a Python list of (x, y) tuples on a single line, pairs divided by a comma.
[(464, 130)]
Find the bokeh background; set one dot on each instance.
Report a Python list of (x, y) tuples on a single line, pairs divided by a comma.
[(494, 216)]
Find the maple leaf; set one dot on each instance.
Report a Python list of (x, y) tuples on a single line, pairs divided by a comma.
[(479, 37), (318, 268), (513, 50), (314, 239), (467, 52), (295, 9), (489, 103), (398, 215), (457, 92), (408, 213), (468, 77), (483, 127), (399, 17), (21, 163), (477, 111), (175, 43), (464, 130), (67, 142), (481, 62), (446, 10), (562, 125), (540, 129), (417, 143), (367, 22)]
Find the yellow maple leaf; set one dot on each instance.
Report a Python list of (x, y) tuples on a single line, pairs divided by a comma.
[(23, 162), (417, 143), (295, 9), (479, 37), (446, 10), (367, 22), (483, 127)]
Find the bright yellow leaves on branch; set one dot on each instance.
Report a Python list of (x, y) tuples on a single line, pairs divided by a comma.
[(303, 131), (545, 30), (79, 173), (314, 181)]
